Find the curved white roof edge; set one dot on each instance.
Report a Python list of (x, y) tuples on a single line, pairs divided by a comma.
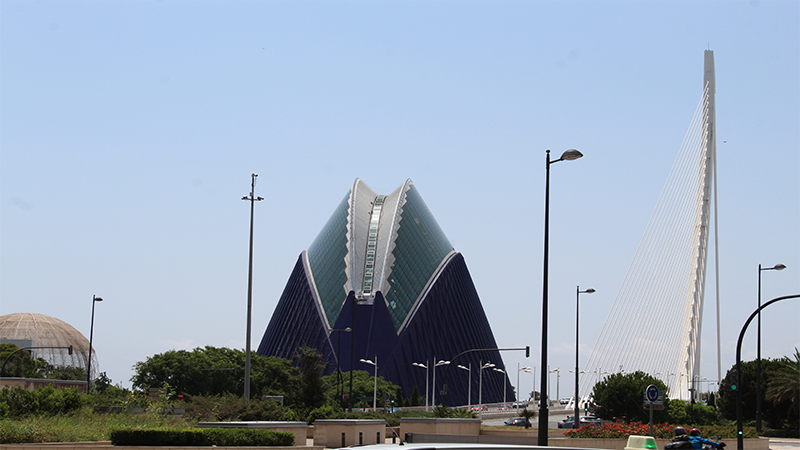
[(424, 293), (314, 291), (360, 204), (387, 235)]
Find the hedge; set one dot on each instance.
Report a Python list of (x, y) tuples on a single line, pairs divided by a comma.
[(202, 437)]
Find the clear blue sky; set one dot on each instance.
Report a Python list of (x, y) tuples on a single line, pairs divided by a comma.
[(129, 130)]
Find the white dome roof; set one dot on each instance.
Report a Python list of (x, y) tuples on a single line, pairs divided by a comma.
[(46, 331)]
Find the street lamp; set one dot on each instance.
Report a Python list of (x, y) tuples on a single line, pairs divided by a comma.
[(504, 384), (91, 333), (375, 391), (758, 356), (576, 423), (339, 387), (556, 371), (544, 418), (433, 391), (253, 199), (519, 389), (488, 365), (424, 366), (469, 384)]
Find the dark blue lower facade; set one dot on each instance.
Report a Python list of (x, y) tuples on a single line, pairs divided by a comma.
[(448, 321)]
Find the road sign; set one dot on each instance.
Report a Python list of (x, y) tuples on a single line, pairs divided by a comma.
[(651, 393), (180, 396), (653, 406)]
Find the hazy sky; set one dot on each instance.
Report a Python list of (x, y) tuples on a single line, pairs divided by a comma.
[(129, 130)]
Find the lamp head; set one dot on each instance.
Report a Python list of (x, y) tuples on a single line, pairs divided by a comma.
[(779, 267), (590, 291), (96, 299), (571, 154)]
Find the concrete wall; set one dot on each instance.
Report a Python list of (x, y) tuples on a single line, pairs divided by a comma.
[(452, 427), (336, 433)]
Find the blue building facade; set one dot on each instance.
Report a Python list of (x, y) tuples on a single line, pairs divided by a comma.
[(383, 268)]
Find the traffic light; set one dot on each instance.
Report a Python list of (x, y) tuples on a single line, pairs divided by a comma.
[(527, 351)]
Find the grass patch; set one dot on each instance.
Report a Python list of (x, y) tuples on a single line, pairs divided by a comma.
[(81, 426)]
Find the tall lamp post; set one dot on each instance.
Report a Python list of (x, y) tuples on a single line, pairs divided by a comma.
[(504, 384), (488, 365), (544, 416), (253, 199), (758, 350), (424, 366), (91, 333), (577, 423), (433, 391), (469, 384), (519, 389), (375, 391), (339, 387)]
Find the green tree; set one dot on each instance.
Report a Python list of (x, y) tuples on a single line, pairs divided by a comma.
[(621, 397), (312, 392), (20, 364), (773, 416), (784, 387), (681, 412), (415, 399), (363, 387), (66, 373), (216, 371)]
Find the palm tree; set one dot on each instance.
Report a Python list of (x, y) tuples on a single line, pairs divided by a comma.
[(785, 384)]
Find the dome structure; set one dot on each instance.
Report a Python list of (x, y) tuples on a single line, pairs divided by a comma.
[(56, 335)]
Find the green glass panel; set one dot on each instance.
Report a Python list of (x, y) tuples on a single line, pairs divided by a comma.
[(419, 248), (326, 255)]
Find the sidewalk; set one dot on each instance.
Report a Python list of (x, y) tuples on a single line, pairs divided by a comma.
[(784, 444)]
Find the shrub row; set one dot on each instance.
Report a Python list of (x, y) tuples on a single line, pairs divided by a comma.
[(202, 437), (19, 402), (660, 431)]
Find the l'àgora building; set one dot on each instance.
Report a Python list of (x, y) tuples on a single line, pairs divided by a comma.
[(383, 268)]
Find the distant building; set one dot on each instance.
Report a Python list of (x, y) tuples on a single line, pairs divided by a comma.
[(50, 338), (383, 267)]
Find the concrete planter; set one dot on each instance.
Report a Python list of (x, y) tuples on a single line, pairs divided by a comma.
[(426, 425), (335, 433)]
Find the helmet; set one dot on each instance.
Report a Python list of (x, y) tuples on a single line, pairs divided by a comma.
[(679, 431), (694, 432)]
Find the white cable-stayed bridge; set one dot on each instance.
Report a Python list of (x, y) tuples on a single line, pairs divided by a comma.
[(656, 320)]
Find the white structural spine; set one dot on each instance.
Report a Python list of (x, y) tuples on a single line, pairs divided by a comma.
[(693, 327)]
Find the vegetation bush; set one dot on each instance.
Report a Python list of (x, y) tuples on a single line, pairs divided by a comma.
[(20, 402), (697, 413), (202, 437), (79, 426), (229, 407), (441, 411), (621, 430)]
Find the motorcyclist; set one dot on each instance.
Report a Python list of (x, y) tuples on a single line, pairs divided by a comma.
[(680, 441), (698, 441)]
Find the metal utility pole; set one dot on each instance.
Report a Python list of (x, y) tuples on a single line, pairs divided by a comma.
[(252, 198)]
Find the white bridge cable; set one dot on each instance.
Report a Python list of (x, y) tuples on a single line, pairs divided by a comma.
[(654, 311)]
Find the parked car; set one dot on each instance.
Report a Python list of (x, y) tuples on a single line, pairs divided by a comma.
[(565, 400), (520, 404), (516, 422), (591, 421), (479, 408)]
